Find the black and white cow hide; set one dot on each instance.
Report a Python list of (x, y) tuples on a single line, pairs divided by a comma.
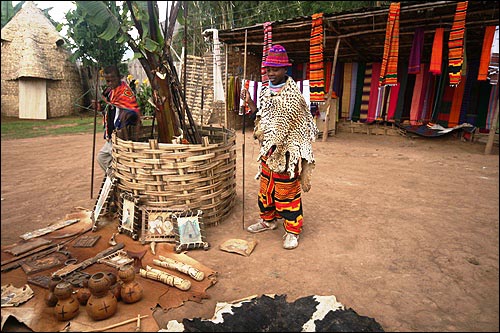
[(272, 313)]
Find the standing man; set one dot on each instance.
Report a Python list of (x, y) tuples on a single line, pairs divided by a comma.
[(285, 129), (121, 113)]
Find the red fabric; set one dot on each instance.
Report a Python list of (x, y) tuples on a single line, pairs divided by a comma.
[(372, 102), (123, 97)]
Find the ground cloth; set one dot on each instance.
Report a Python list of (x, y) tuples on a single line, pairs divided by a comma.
[(38, 317)]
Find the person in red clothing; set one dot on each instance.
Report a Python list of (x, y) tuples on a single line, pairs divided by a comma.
[(121, 114)]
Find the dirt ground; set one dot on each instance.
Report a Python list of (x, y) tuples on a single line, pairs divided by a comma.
[(401, 230)]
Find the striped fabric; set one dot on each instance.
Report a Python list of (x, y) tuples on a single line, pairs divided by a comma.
[(268, 43), (365, 97), (416, 51), (360, 75), (317, 80), (493, 68), (484, 63), (373, 100), (456, 44), (437, 52), (389, 69)]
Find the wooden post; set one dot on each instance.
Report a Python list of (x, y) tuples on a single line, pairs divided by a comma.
[(330, 92), (493, 129)]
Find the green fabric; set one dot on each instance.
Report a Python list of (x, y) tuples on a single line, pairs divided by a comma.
[(360, 75)]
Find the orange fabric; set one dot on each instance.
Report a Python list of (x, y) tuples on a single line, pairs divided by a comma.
[(437, 52), (484, 63)]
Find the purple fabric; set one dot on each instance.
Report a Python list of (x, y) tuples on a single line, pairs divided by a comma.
[(416, 51)]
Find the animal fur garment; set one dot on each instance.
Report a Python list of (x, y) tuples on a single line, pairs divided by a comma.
[(287, 124)]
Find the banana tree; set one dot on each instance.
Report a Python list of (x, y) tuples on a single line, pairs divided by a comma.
[(152, 48)]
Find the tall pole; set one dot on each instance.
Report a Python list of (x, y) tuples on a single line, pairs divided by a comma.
[(95, 126), (493, 129), (242, 108)]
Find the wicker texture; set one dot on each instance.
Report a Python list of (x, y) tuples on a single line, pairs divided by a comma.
[(180, 176)]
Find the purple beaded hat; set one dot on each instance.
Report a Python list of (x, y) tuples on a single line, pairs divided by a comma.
[(277, 57)]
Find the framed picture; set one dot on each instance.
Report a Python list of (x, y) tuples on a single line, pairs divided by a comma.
[(189, 231), (129, 216), (102, 200), (157, 225)]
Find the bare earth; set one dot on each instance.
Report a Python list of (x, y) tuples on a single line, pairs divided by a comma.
[(401, 230)]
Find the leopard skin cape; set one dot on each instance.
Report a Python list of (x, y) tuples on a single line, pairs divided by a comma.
[(287, 124)]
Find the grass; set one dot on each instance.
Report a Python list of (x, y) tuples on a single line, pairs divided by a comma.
[(15, 128)]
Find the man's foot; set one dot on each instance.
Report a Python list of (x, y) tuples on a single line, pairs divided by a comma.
[(290, 241), (262, 226)]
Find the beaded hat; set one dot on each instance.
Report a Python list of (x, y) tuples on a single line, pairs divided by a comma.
[(277, 57)]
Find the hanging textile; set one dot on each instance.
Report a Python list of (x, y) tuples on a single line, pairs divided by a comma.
[(268, 43), (389, 69), (418, 91), (493, 68), (416, 51), (484, 63), (365, 98), (346, 90), (403, 75), (472, 73), (456, 44), (393, 101), (456, 103), (492, 107), (373, 99), (317, 80), (437, 52), (354, 77), (359, 91)]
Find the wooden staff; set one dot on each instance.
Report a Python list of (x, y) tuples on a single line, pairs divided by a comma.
[(180, 266), (243, 145)]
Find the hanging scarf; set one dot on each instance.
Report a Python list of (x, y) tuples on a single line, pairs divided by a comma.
[(493, 68), (437, 52), (416, 51), (317, 81), (456, 44), (268, 43), (389, 70), (122, 97), (287, 124), (484, 63)]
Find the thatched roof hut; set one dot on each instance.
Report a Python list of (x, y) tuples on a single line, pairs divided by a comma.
[(38, 80)]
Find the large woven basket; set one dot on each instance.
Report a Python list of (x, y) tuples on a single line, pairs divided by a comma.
[(180, 176)]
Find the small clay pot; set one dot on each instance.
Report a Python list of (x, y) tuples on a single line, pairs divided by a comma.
[(131, 291), (102, 303), (83, 294), (50, 298), (67, 306)]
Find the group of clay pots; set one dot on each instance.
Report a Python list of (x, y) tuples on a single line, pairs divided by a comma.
[(99, 295)]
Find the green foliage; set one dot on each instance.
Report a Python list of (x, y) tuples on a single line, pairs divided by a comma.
[(8, 11), (91, 43), (143, 95)]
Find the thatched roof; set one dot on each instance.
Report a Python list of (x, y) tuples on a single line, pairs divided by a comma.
[(362, 32), (32, 38)]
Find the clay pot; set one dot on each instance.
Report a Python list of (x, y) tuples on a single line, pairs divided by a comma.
[(50, 298), (102, 303), (83, 294), (131, 291), (115, 286), (67, 306)]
